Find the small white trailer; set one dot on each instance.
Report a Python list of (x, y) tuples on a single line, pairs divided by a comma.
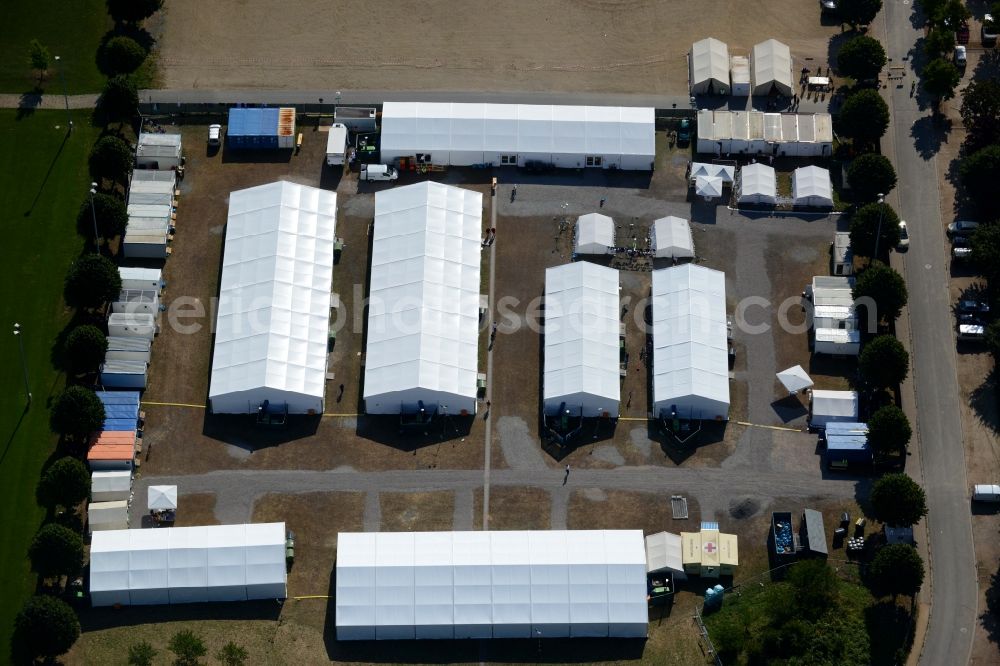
[(141, 278), (129, 325), (336, 144), (837, 342)]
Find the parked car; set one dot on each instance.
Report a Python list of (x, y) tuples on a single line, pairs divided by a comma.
[(983, 492), (960, 241), (684, 132), (972, 306), (962, 34), (215, 135), (971, 332), (827, 6), (989, 30), (962, 228), (904, 236), (961, 57), (370, 172), (969, 318), (960, 253)]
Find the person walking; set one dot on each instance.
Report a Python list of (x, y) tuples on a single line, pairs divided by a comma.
[(603, 199), (566, 478)]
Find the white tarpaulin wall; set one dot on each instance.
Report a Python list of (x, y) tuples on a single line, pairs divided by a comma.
[(188, 564), (830, 406), (811, 187), (107, 515), (581, 340), (423, 314), (273, 324), (771, 68), (672, 238), (758, 184), (110, 486), (690, 350), (595, 234), (405, 585), (462, 134), (709, 67)]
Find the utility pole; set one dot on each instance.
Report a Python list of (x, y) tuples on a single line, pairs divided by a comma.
[(93, 215), (878, 233), (24, 362)]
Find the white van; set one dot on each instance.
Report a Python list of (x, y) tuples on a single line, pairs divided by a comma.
[(986, 493), (336, 144), (370, 172)]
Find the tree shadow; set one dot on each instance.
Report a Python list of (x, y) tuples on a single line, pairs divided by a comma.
[(990, 616), (890, 631), (28, 102), (48, 173), (929, 134), (984, 402)]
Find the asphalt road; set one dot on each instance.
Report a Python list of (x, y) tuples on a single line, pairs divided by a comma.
[(954, 591)]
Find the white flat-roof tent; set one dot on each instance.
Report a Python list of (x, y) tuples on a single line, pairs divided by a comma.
[(273, 326), (758, 184), (664, 553), (110, 515), (831, 406), (446, 585), (141, 278), (690, 347), (158, 151), (581, 340), (423, 313), (811, 187), (760, 133), (709, 67), (463, 134), (771, 68), (110, 486), (188, 564), (671, 237), (594, 234)]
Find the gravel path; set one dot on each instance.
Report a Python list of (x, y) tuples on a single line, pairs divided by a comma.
[(372, 514)]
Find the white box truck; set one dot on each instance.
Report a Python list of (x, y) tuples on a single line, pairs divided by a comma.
[(336, 144)]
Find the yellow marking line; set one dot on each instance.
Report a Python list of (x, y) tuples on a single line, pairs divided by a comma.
[(312, 596), (769, 427), (632, 418), (340, 416), (146, 403)]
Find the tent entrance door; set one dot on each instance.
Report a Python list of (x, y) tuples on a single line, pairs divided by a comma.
[(595, 161)]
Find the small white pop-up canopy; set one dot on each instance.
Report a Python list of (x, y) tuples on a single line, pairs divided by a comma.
[(830, 406), (726, 172), (709, 187), (811, 187), (161, 498), (107, 515), (771, 68), (758, 184), (795, 379), (709, 67), (595, 234), (672, 238)]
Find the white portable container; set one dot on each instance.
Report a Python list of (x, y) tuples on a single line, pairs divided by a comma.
[(986, 493), (122, 324), (141, 278), (123, 374), (336, 144), (137, 300)]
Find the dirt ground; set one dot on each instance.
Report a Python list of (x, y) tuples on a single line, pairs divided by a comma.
[(612, 46), (196, 509), (514, 509), (417, 512)]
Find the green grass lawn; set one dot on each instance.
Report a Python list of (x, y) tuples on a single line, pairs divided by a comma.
[(71, 29), (43, 180)]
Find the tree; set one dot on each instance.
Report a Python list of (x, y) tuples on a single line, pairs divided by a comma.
[(77, 412), (979, 173), (870, 175), (38, 58), (992, 338), (889, 431), (861, 58), (65, 483), (45, 627), (109, 211), (120, 99), (133, 11), (985, 244), (815, 587), (897, 569), (864, 117), (85, 348), (859, 12), (884, 362), (952, 14), (939, 78), (885, 287), (92, 281), (232, 654), (56, 551), (871, 221), (898, 501), (939, 42), (123, 55), (111, 158), (981, 112), (187, 647), (141, 654)]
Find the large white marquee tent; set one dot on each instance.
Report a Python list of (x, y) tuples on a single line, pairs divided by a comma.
[(709, 67), (595, 234), (672, 238), (274, 300), (423, 314), (690, 345), (405, 585), (758, 184), (188, 564), (771, 68), (463, 134), (581, 340), (811, 187)]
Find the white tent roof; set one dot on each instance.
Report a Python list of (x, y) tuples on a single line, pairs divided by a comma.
[(771, 65), (708, 186), (833, 291), (795, 378), (811, 186), (154, 175), (423, 317), (690, 350), (663, 551), (410, 127), (161, 497), (110, 485), (274, 298), (724, 171), (709, 67), (758, 184), (834, 404), (581, 338), (672, 237), (595, 233), (107, 515), (185, 564), (491, 584)]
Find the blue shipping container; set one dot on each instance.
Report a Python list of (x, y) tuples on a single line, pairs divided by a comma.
[(252, 128)]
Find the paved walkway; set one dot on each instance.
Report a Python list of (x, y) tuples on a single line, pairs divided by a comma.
[(47, 102)]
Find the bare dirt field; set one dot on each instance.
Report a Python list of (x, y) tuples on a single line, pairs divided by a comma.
[(417, 512), (610, 46), (196, 509), (514, 509)]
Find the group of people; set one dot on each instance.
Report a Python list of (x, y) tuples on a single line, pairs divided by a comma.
[(491, 235)]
